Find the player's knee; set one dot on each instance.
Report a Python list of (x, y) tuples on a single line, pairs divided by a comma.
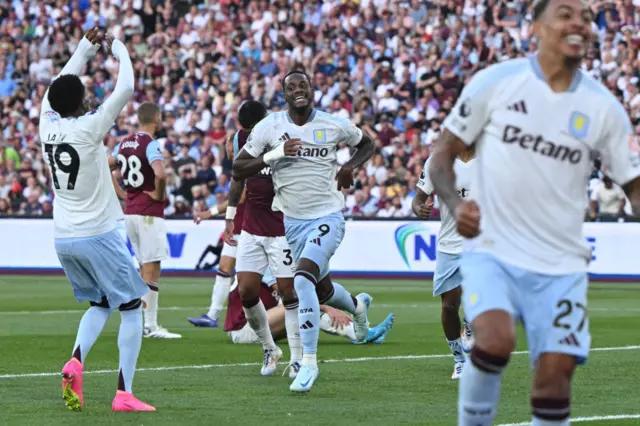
[(309, 266), (249, 295), (325, 290), (130, 306), (553, 375), (451, 302), (104, 303), (495, 333), (287, 291), (226, 266), (487, 361)]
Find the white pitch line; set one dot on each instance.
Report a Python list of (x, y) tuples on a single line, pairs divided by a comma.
[(197, 309), (585, 419), (327, 361)]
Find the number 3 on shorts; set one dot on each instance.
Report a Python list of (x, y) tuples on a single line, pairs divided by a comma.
[(288, 260)]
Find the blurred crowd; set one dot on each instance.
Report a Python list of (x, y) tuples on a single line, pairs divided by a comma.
[(393, 67)]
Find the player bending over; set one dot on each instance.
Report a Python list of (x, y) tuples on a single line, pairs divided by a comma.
[(447, 277), (528, 257), (300, 147), (332, 321), (224, 275), (142, 169), (85, 211)]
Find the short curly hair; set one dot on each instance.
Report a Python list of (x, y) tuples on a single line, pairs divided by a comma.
[(66, 94), (250, 114)]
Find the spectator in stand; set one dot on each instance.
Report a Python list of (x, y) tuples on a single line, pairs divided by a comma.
[(393, 67), (607, 201)]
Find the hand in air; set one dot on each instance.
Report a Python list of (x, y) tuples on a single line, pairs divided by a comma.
[(467, 215), (292, 146), (425, 209), (338, 318), (344, 178), (228, 233), (93, 35), (200, 216)]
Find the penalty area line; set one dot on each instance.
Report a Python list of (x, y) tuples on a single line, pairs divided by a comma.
[(585, 419), (253, 364)]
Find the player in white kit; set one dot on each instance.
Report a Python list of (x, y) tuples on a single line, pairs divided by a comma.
[(85, 213), (447, 277), (300, 147), (537, 123)]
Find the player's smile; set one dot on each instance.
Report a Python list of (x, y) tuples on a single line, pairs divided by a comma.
[(300, 100)]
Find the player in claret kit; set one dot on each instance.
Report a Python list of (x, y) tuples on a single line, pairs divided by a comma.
[(299, 146), (447, 277), (537, 123), (85, 213), (332, 321), (142, 168), (227, 264)]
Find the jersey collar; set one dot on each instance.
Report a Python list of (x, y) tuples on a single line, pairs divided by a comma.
[(538, 72), (311, 117)]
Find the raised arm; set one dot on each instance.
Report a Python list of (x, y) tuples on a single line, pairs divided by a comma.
[(86, 49), (97, 123)]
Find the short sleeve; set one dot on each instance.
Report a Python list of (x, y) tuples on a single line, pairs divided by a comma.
[(619, 147), (259, 139), (424, 183), (154, 152), (352, 132), (471, 112), (594, 193)]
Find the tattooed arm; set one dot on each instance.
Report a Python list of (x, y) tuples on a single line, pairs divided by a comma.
[(235, 192)]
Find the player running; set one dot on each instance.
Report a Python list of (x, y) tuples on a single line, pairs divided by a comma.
[(300, 147), (142, 169), (94, 257), (262, 244), (447, 277), (224, 275), (528, 257), (332, 321)]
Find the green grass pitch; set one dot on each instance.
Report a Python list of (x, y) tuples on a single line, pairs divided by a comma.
[(203, 379)]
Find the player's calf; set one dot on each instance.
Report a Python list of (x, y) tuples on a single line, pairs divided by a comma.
[(292, 325), (452, 327), (480, 381), (550, 396)]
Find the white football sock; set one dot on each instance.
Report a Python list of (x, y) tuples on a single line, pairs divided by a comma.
[(220, 294), (259, 323), (151, 306)]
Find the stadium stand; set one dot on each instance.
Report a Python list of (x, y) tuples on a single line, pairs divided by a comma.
[(393, 67)]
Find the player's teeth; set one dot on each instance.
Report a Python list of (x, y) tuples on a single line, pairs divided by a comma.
[(575, 39)]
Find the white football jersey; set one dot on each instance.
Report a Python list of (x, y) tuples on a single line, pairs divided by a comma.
[(449, 240), (535, 151), (305, 185), (85, 203)]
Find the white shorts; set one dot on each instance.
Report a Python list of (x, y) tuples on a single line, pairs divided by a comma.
[(244, 336), (148, 236), (255, 253), (230, 251)]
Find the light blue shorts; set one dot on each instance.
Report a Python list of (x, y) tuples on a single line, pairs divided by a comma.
[(552, 308), (316, 240), (268, 277), (447, 275), (100, 266)]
